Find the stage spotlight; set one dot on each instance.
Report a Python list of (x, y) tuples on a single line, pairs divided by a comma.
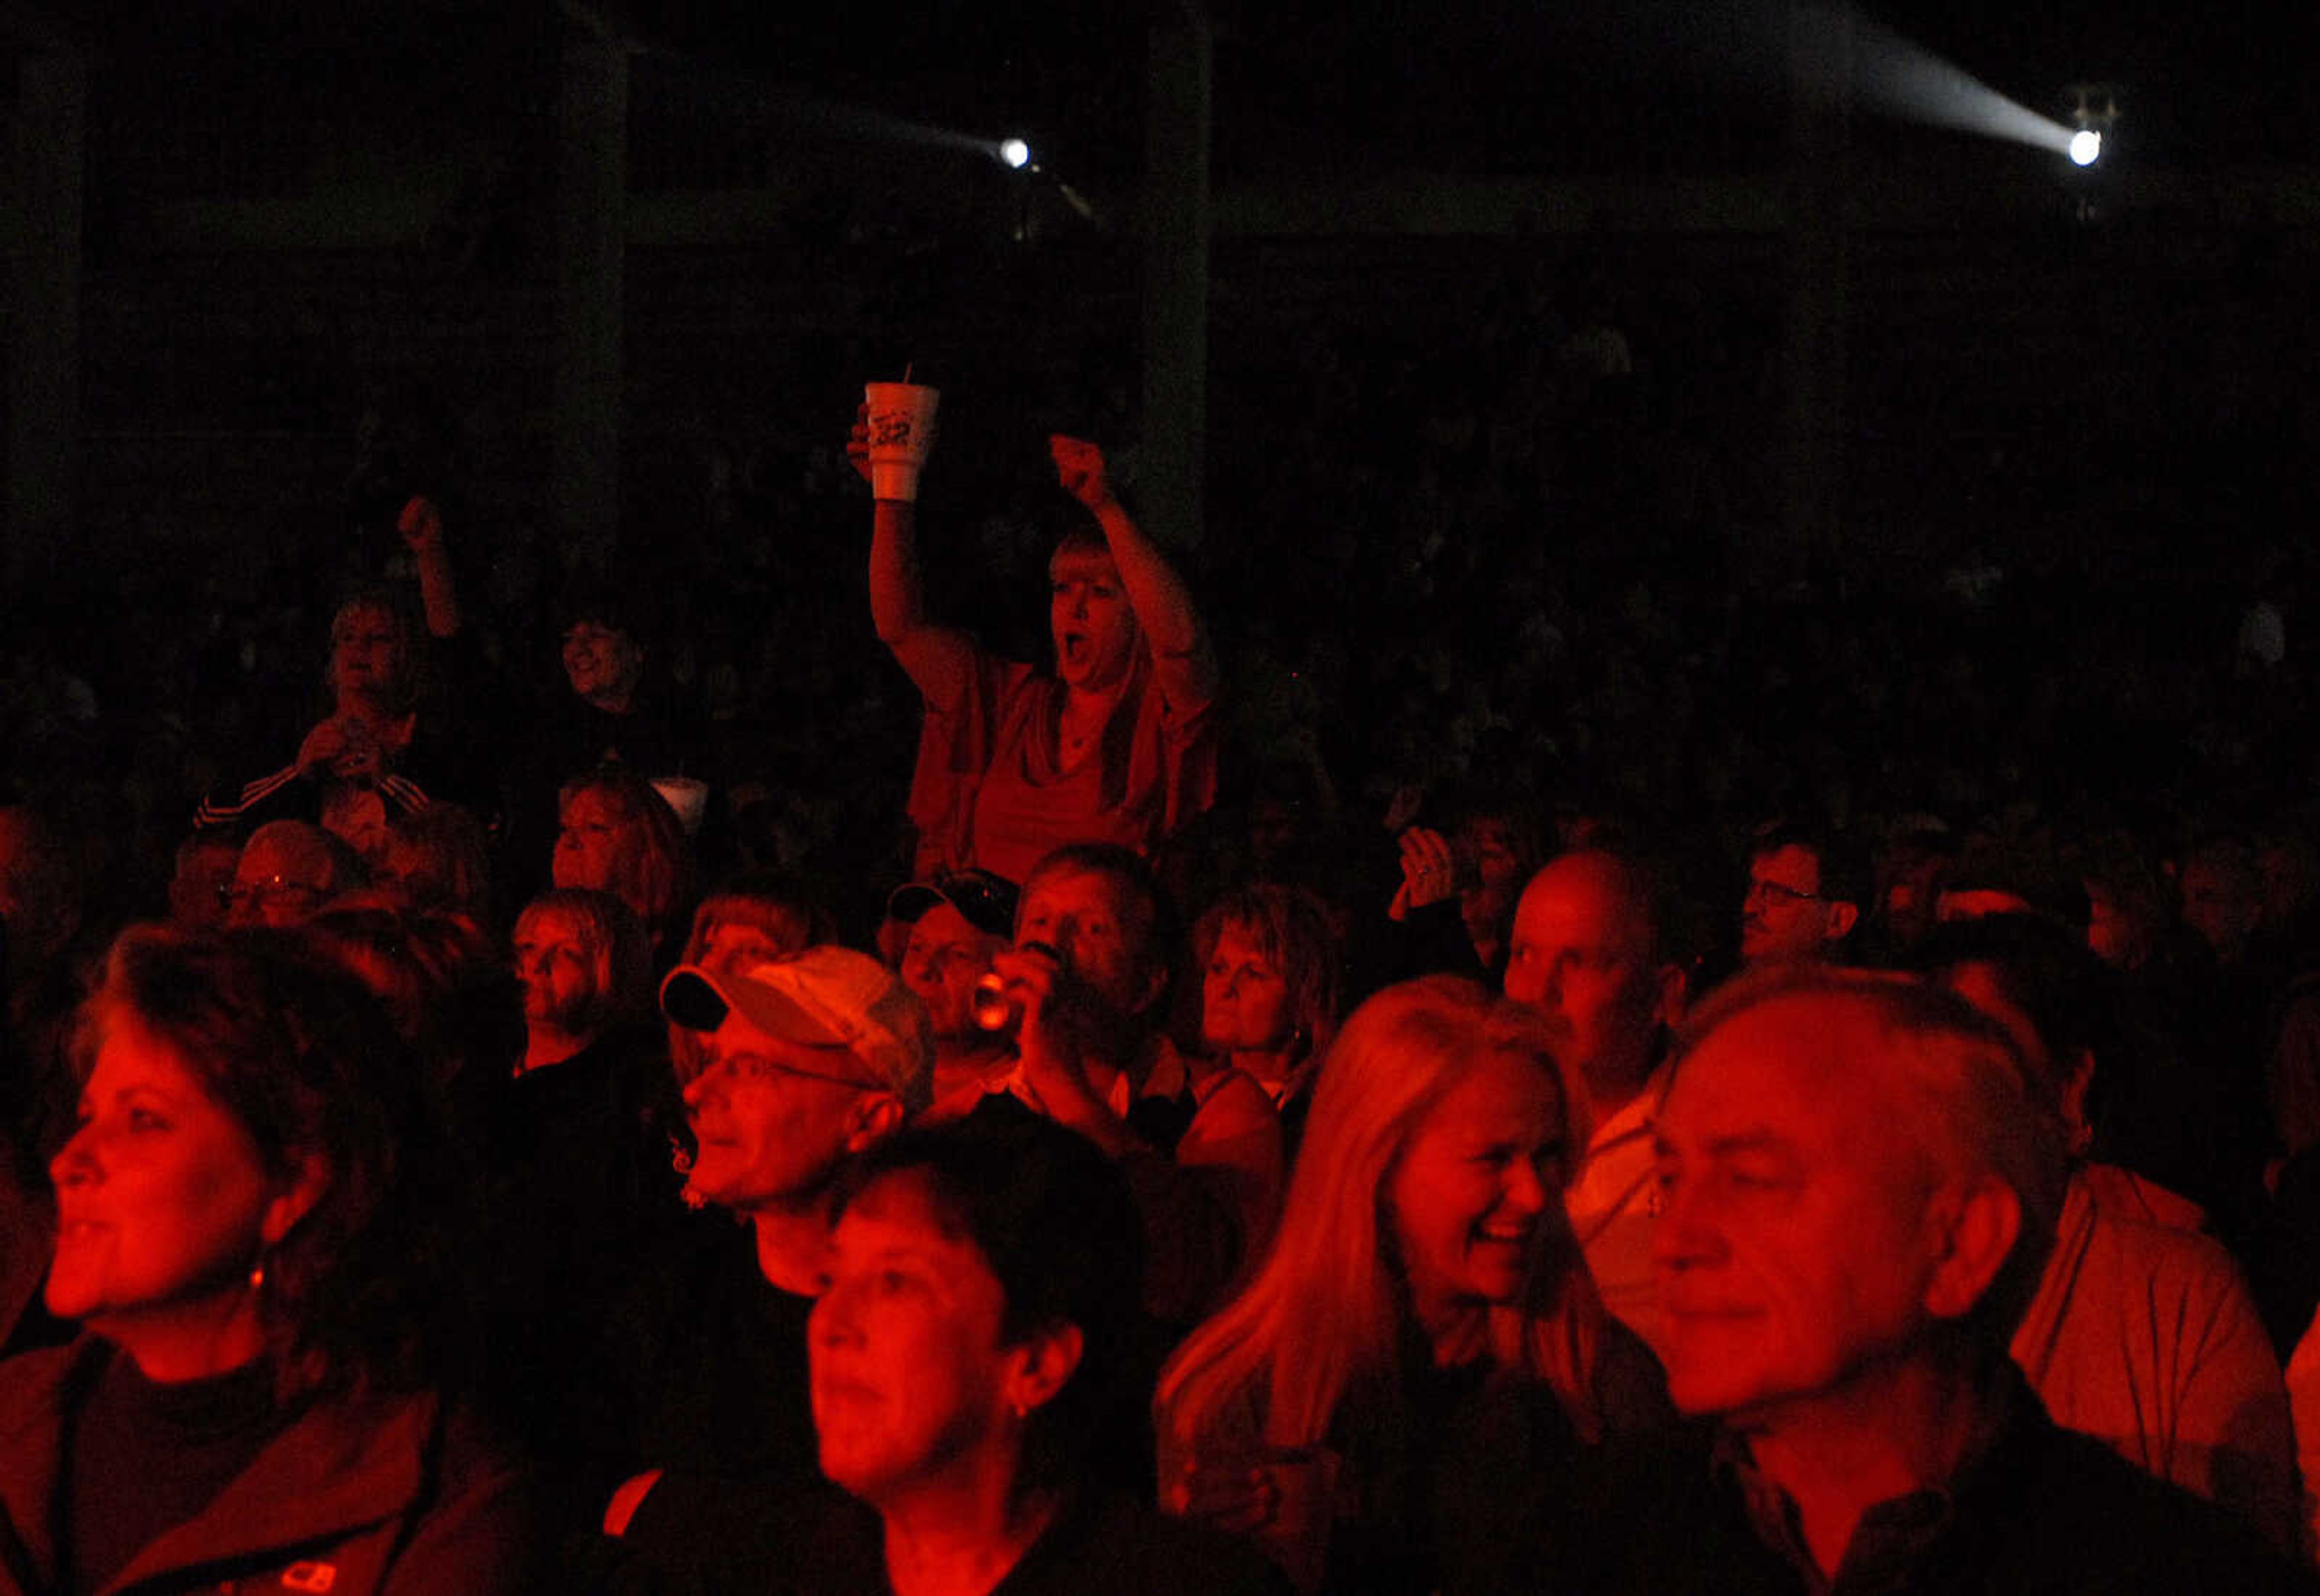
[(2086, 145), (1015, 153)]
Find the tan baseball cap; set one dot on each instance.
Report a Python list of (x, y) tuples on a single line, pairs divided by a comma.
[(824, 997)]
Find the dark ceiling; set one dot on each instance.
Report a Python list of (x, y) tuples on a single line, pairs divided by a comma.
[(1316, 86)]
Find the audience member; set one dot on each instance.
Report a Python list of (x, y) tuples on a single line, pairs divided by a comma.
[(440, 857), (1269, 977), (1859, 1199), (1425, 1333), (804, 1063), (288, 869), (389, 745), (616, 711), (576, 1177), (1089, 974), (2142, 1333), (1594, 957), (201, 879), (243, 1235), (1118, 745), (1803, 900), (618, 835), (975, 1360), (956, 926)]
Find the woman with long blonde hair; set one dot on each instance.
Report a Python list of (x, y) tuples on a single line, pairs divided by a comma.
[(1424, 1325)]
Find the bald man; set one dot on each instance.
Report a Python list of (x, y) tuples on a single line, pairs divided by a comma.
[(1591, 953)]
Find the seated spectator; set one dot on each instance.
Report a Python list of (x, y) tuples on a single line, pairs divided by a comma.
[(956, 926), (973, 1362), (440, 857), (1424, 1329), (621, 837), (1270, 969), (438, 974), (241, 1235), (608, 707), (2141, 1334), (577, 1187), (201, 880), (1804, 897), (1910, 871), (288, 869), (580, 957), (1597, 955), (758, 916), (1859, 1199), (1477, 850), (804, 1063), (619, 712), (1118, 745), (1089, 974)]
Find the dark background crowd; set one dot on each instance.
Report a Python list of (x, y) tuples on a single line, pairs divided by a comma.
[(1521, 534)]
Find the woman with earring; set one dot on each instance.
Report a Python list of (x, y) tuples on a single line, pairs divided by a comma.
[(1269, 965), (239, 1236)]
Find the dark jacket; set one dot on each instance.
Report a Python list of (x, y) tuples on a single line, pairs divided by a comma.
[(2042, 1511), (355, 1497)]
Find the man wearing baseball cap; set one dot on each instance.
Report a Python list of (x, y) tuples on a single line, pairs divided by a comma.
[(957, 923), (804, 1062)]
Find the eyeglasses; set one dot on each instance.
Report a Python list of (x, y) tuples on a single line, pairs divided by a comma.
[(236, 894), (1773, 892), (759, 1070)]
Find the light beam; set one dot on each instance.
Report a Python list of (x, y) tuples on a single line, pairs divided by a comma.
[(1904, 79)]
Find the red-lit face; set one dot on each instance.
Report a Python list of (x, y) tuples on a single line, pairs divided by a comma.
[(1243, 996), (1794, 1248), (161, 1195), (910, 1377), (946, 955), (278, 881), (770, 1120), (1088, 612), (1479, 1177), (369, 657), (1783, 916), (602, 664), (555, 966), (597, 843), (1095, 927), (1581, 956)]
